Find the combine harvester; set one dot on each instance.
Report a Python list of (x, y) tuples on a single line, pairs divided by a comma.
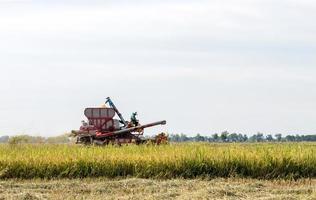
[(103, 129)]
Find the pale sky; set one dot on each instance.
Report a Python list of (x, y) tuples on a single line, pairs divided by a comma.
[(204, 66)]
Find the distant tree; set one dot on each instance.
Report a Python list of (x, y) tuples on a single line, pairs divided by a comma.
[(290, 138), (224, 136), (310, 138), (233, 137), (61, 139), (252, 138), (199, 138), (269, 138), (209, 139), (245, 138), (4, 139), (36, 139), (240, 138), (175, 137), (215, 137), (19, 139), (298, 138), (259, 137), (278, 137), (183, 137)]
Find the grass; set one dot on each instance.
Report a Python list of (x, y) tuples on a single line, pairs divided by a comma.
[(188, 160), (100, 188)]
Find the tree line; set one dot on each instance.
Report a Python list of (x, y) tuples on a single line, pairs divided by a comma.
[(238, 137), (34, 139), (222, 137)]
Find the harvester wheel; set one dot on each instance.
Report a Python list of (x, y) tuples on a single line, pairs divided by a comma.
[(116, 142), (88, 140), (137, 142), (85, 140)]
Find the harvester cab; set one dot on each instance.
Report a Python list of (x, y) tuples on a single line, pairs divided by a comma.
[(134, 120), (102, 128)]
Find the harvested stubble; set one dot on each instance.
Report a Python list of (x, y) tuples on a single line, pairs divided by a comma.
[(188, 160)]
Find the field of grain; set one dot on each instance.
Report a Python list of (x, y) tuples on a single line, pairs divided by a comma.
[(188, 160)]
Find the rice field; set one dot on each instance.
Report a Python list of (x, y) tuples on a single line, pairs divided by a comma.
[(185, 160)]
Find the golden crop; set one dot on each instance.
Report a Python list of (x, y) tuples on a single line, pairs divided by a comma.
[(186, 160)]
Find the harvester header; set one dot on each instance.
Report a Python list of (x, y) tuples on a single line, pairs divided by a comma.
[(103, 128)]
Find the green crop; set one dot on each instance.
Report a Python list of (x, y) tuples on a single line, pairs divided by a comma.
[(186, 160)]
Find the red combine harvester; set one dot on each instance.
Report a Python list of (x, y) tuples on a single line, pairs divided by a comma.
[(103, 129)]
